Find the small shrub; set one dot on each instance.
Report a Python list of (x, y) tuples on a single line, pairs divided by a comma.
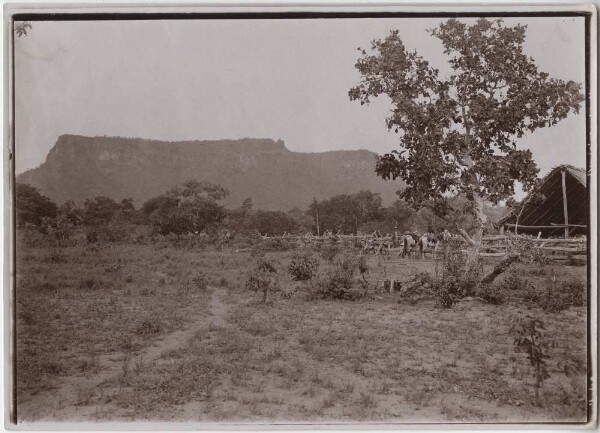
[(303, 267), (559, 297), (339, 282), (363, 267), (456, 281), (262, 278), (419, 287), (530, 338), (514, 282), (200, 280), (491, 293), (531, 254), (576, 291)]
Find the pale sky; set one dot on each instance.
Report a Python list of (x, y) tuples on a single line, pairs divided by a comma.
[(281, 79)]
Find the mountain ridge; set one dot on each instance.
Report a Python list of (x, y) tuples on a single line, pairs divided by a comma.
[(276, 178)]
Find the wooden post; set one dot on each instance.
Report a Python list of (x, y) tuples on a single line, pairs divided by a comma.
[(565, 209), (318, 231)]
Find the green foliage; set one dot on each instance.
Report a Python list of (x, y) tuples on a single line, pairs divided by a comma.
[(520, 287), (514, 282), (458, 133), (274, 245), (562, 296), (340, 282), (73, 214), (262, 278), (345, 212), (31, 206), (456, 281), (191, 208), (303, 267), (491, 293), (530, 338), (273, 223), (100, 210)]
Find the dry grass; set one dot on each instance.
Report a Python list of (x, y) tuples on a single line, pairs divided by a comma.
[(130, 321)]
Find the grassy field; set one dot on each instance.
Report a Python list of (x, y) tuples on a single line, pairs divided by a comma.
[(135, 332)]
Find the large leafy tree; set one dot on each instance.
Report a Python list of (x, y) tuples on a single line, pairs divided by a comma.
[(274, 223), (346, 212), (32, 207), (190, 208), (100, 210), (458, 132)]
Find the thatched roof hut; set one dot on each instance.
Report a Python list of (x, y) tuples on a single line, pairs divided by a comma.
[(564, 210)]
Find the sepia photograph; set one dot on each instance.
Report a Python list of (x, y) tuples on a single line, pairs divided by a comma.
[(310, 217)]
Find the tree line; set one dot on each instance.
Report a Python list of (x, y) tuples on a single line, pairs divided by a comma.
[(195, 207)]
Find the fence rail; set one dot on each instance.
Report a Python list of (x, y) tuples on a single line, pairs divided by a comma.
[(491, 246)]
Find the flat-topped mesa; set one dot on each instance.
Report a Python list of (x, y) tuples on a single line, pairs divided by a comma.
[(80, 167), (69, 145)]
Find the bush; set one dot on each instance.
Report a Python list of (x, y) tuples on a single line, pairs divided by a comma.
[(560, 297), (340, 283), (520, 287), (262, 278), (303, 267), (576, 291), (457, 281), (514, 282), (491, 293)]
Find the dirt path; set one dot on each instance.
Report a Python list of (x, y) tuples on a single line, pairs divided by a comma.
[(69, 400), (218, 308)]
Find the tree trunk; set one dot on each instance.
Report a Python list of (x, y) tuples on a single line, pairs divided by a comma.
[(500, 268), (475, 245)]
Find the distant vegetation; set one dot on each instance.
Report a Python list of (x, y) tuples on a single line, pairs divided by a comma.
[(194, 208)]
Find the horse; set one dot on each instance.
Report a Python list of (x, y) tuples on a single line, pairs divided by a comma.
[(428, 243), (408, 245)]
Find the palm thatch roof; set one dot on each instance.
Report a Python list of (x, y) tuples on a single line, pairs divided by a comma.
[(548, 215)]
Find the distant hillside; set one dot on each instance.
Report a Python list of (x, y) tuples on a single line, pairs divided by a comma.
[(79, 167)]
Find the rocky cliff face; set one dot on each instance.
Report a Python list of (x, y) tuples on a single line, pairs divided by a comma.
[(80, 167)]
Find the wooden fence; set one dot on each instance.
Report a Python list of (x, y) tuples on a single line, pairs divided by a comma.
[(492, 246)]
